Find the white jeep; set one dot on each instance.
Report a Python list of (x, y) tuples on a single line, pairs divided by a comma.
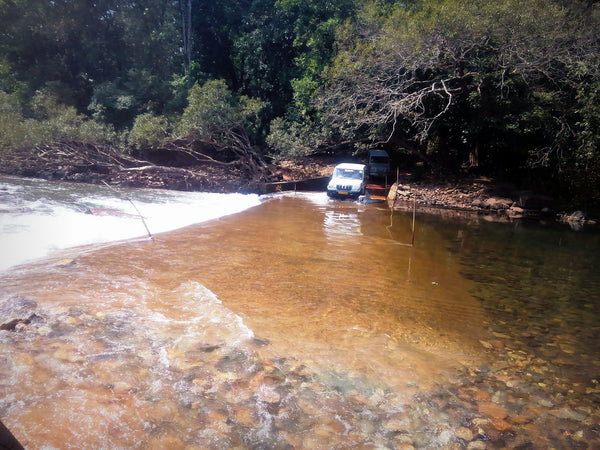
[(348, 181)]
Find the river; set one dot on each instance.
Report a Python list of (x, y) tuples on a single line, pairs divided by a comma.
[(292, 321)]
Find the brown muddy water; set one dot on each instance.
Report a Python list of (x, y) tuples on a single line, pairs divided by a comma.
[(308, 323)]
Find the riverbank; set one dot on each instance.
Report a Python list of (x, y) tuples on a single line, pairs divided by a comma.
[(174, 170), (482, 196), (486, 198)]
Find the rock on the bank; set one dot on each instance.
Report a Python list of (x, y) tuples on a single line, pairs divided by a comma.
[(497, 203), (516, 212)]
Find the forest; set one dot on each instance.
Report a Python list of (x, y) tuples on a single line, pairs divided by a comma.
[(504, 88)]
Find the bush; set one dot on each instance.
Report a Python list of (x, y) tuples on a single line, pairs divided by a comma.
[(210, 112), (51, 122), (293, 140), (16, 133), (55, 122), (148, 131)]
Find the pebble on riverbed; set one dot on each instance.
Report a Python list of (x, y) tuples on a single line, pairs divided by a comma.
[(67, 262)]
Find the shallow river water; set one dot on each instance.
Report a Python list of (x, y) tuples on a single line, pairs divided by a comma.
[(304, 322)]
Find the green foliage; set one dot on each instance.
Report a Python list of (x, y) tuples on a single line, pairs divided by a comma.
[(51, 122), (214, 115), (315, 26), (263, 55), (119, 100), (148, 131), (116, 57), (215, 28), (9, 103), (489, 81), (57, 122), (210, 112), (305, 90), (254, 113), (13, 132), (8, 82), (294, 139), (585, 171), (508, 88), (180, 88)]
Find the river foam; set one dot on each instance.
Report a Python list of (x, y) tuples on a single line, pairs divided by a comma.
[(38, 217)]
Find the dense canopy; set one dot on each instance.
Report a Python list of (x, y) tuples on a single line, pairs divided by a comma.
[(504, 88)]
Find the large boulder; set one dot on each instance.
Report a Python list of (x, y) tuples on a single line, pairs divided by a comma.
[(516, 212), (577, 220), (576, 217), (497, 203)]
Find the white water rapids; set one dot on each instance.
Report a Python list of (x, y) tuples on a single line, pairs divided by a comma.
[(38, 217)]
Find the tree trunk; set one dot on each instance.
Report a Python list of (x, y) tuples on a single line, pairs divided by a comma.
[(185, 7)]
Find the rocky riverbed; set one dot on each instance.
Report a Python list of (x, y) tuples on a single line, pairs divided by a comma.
[(99, 333), (243, 396)]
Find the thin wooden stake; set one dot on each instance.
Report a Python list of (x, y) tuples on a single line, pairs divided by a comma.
[(134, 207), (412, 241), (143, 220)]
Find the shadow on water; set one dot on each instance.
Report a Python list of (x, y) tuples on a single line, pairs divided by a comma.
[(306, 323)]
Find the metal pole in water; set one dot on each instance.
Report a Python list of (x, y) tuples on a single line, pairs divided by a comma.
[(143, 221), (412, 241), (135, 207)]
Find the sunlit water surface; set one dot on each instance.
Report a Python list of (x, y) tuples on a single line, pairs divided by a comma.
[(307, 323)]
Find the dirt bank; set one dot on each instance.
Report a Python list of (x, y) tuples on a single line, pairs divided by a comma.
[(484, 197), (95, 164)]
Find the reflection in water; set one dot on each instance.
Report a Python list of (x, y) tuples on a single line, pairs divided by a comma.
[(341, 224), (301, 323)]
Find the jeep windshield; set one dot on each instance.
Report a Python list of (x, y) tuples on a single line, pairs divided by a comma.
[(348, 173)]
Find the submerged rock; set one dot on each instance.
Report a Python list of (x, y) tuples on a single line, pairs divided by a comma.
[(63, 263), (17, 306), (576, 217), (464, 433), (18, 324), (516, 212), (121, 387)]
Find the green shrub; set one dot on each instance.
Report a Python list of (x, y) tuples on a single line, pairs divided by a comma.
[(14, 130), (148, 131), (51, 122), (214, 115), (210, 112), (293, 140)]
